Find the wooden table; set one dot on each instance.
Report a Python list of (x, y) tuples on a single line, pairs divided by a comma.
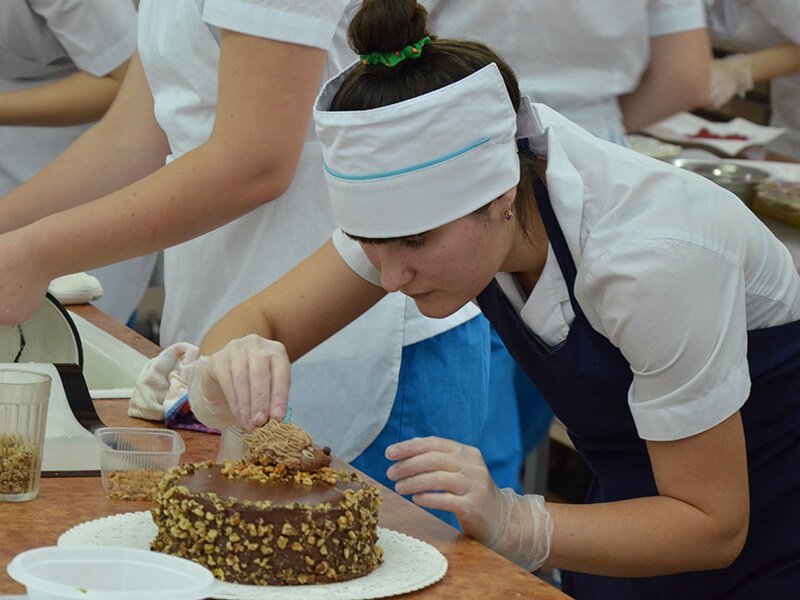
[(473, 571)]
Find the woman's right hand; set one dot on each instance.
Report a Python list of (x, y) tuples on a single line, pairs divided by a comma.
[(246, 382)]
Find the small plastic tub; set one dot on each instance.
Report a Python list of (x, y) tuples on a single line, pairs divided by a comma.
[(232, 445), (134, 459), (109, 573)]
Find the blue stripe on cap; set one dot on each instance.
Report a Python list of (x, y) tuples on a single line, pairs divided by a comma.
[(411, 169)]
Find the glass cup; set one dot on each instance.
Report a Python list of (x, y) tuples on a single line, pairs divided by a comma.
[(23, 414)]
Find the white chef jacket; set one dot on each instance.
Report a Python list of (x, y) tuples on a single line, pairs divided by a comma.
[(671, 268), (42, 41), (576, 57), (749, 25), (342, 391)]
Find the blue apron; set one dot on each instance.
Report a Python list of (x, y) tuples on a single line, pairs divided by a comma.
[(585, 381), (443, 390)]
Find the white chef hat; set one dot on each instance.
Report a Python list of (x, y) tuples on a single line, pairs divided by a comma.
[(409, 167)]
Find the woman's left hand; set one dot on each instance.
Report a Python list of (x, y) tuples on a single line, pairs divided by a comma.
[(447, 475), (443, 474)]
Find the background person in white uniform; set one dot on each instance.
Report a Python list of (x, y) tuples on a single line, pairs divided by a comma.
[(61, 64), (676, 366), (765, 37), (222, 91), (612, 66)]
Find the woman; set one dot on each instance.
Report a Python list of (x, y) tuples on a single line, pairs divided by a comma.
[(654, 312), (612, 67), (238, 201), (61, 64)]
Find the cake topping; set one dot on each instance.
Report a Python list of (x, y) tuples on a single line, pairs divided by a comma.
[(285, 444)]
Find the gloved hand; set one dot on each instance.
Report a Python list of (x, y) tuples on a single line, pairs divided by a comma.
[(162, 382), (518, 527), (247, 382), (730, 76)]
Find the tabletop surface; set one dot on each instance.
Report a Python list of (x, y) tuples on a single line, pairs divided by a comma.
[(473, 570)]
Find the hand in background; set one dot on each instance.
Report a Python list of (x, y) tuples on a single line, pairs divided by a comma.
[(730, 76)]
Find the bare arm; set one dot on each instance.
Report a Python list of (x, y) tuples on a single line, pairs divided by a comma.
[(698, 521), (126, 145), (77, 98), (249, 159), (774, 62), (301, 309), (675, 80), (245, 379), (266, 90)]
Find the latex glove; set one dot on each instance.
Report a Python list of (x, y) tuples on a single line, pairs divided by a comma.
[(247, 382), (24, 281), (730, 76), (446, 475), (162, 381)]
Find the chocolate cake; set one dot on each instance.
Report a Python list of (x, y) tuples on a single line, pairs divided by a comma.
[(279, 516)]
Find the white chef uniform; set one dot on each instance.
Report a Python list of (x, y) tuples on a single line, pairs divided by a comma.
[(576, 57), (621, 238), (42, 41), (345, 387), (749, 25)]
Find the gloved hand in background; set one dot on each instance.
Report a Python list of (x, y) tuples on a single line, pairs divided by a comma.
[(162, 382), (246, 382), (446, 475), (730, 76)]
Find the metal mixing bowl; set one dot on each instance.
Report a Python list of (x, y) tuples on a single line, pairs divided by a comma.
[(737, 178)]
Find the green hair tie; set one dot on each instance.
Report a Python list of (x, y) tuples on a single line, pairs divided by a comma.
[(390, 59)]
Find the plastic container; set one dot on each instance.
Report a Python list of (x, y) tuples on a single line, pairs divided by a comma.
[(232, 445), (134, 459), (24, 396), (109, 573)]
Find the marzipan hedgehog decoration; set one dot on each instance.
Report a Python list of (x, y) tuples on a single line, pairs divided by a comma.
[(278, 443)]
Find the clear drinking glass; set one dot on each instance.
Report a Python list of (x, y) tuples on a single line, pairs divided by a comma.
[(23, 413)]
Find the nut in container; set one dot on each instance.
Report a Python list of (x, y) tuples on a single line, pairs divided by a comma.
[(24, 396), (134, 459)]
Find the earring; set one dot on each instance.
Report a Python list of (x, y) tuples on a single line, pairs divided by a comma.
[(508, 214)]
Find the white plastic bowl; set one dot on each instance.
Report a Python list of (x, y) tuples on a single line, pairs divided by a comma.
[(109, 573)]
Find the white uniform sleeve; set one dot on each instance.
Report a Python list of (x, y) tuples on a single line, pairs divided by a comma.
[(681, 324), (98, 35), (673, 16), (306, 22), (783, 15), (352, 253)]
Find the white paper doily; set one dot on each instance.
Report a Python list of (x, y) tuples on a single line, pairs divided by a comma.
[(409, 564)]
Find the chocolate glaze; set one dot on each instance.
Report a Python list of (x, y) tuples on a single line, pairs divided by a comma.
[(203, 481), (306, 534)]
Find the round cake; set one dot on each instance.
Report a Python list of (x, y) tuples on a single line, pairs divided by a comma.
[(279, 516)]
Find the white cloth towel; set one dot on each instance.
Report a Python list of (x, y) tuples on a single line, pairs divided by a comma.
[(77, 288), (163, 381)]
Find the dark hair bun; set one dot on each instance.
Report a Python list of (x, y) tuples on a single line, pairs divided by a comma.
[(387, 25)]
